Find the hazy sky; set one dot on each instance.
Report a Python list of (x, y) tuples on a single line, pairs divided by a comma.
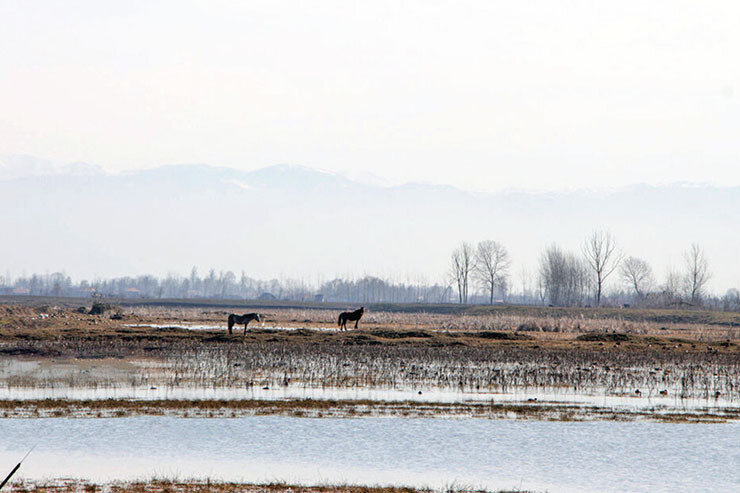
[(484, 95)]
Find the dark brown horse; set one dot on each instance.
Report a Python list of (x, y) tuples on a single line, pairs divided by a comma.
[(243, 319), (355, 315)]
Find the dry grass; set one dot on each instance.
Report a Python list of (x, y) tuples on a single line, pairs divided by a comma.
[(491, 352), (310, 408), (543, 323), (290, 361), (207, 486)]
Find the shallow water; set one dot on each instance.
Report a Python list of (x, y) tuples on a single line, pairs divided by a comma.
[(530, 396), (493, 454)]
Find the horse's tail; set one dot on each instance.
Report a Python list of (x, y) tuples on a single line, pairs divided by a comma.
[(231, 322), (339, 321)]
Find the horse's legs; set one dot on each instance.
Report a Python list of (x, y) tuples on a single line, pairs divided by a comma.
[(357, 322)]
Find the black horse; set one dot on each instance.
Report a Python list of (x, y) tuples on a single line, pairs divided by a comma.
[(243, 319), (355, 315)]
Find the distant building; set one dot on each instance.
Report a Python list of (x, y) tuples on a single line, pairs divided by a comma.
[(266, 297), (319, 298)]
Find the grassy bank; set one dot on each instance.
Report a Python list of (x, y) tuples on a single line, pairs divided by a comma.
[(175, 486), (310, 408)]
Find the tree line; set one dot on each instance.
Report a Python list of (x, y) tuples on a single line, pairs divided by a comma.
[(227, 285), (568, 278), (478, 274)]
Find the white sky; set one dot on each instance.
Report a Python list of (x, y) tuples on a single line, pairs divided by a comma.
[(483, 95)]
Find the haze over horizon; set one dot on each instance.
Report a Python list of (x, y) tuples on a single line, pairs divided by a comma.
[(299, 223), (488, 102), (23, 166), (480, 95)]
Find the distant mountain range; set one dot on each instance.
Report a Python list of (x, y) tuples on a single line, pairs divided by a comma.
[(20, 166), (300, 222)]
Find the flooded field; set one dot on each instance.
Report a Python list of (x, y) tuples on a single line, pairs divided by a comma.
[(496, 454), (306, 369), (523, 402), (379, 394), (310, 401)]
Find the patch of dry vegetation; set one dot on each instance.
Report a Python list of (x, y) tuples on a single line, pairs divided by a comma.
[(539, 322), (300, 361), (311, 408), (207, 486), (493, 351)]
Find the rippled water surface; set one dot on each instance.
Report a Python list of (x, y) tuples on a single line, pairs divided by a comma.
[(552, 456)]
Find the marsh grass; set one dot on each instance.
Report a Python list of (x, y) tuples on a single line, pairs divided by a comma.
[(310, 408), (164, 485), (504, 367), (494, 351)]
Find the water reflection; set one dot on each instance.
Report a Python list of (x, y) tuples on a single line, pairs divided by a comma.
[(553, 456)]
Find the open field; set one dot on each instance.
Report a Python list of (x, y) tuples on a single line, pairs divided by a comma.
[(509, 316), (48, 348), (500, 395), (59, 318)]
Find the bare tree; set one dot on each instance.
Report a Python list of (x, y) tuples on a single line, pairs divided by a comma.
[(491, 266), (671, 290), (731, 300), (563, 277), (524, 279), (638, 274), (541, 286), (600, 251), (697, 273), (462, 264)]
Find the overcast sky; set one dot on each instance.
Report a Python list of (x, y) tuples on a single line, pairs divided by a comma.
[(483, 95)]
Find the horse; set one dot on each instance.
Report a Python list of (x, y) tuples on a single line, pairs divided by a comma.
[(243, 319), (355, 315)]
